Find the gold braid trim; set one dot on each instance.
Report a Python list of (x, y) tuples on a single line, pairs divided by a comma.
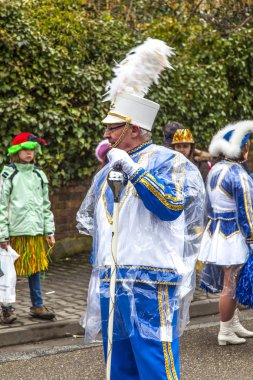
[(135, 174), (127, 119), (159, 196), (229, 236), (167, 196), (107, 279), (220, 218), (154, 180), (222, 211), (165, 354), (163, 270), (121, 137), (225, 192), (167, 303), (140, 146), (220, 233), (140, 267), (132, 280), (139, 178), (247, 203), (220, 179), (208, 228)]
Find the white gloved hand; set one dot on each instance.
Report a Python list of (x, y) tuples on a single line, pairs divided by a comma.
[(119, 156)]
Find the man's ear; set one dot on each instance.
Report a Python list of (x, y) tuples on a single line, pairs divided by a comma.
[(136, 131)]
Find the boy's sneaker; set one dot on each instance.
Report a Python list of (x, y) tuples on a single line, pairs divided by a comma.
[(8, 316), (41, 312)]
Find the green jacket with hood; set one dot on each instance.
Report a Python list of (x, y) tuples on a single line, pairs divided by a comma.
[(24, 202)]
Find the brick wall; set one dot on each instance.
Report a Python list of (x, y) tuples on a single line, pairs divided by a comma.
[(65, 204)]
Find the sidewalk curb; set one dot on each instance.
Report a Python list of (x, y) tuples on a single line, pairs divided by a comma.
[(60, 329), (204, 307), (41, 331)]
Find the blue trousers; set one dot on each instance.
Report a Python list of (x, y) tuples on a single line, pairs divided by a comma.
[(133, 356), (35, 289)]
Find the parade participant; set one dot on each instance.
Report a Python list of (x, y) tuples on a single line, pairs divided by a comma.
[(160, 214), (229, 229), (180, 139), (26, 221)]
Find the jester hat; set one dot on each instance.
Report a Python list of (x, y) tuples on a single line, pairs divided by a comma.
[(25, 140)]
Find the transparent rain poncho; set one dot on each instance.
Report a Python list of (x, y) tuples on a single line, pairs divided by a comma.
[(160, 225), (225, 245)]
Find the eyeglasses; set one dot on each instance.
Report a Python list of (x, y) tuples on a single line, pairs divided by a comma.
[(111, 129)]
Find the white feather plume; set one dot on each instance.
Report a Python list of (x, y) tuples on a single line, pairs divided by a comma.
[(140, 69)]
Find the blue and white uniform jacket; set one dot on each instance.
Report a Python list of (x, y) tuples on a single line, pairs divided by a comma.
[(229, 229), (160, 218)]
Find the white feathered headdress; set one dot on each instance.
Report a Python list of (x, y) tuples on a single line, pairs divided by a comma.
[(140, 69), (133, 78), (229, 140)]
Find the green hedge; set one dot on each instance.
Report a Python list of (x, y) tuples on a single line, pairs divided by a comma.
[(56, 58)]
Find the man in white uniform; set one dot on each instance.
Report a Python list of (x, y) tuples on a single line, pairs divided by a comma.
[(160, 216)]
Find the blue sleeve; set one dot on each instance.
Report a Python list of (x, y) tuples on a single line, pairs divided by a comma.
[(92, 256), (162, 197), (243, 194)]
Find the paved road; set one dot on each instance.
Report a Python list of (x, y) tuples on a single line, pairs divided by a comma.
[(65, 288), (69, 359)]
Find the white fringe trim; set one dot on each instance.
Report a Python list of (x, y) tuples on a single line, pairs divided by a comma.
[(232, 148)]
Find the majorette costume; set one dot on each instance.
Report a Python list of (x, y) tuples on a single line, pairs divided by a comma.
[(229, 230), (161, 212), (25, 215)]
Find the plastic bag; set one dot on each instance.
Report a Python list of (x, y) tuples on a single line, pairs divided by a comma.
[(9, 277), (212, 278), (156, 258)]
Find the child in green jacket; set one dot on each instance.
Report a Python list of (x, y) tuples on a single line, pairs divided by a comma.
[(26, 221)]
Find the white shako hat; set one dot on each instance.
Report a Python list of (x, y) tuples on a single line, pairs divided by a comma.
[(133, 77), (230, 140), (134, 110)]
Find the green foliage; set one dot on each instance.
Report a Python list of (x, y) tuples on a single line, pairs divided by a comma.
[(212, 82), (55, 63), (57, 55)]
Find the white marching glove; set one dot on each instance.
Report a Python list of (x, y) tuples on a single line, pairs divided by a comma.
[(119, 156)]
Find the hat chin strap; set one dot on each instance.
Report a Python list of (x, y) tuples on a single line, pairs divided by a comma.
[(121, 137)]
